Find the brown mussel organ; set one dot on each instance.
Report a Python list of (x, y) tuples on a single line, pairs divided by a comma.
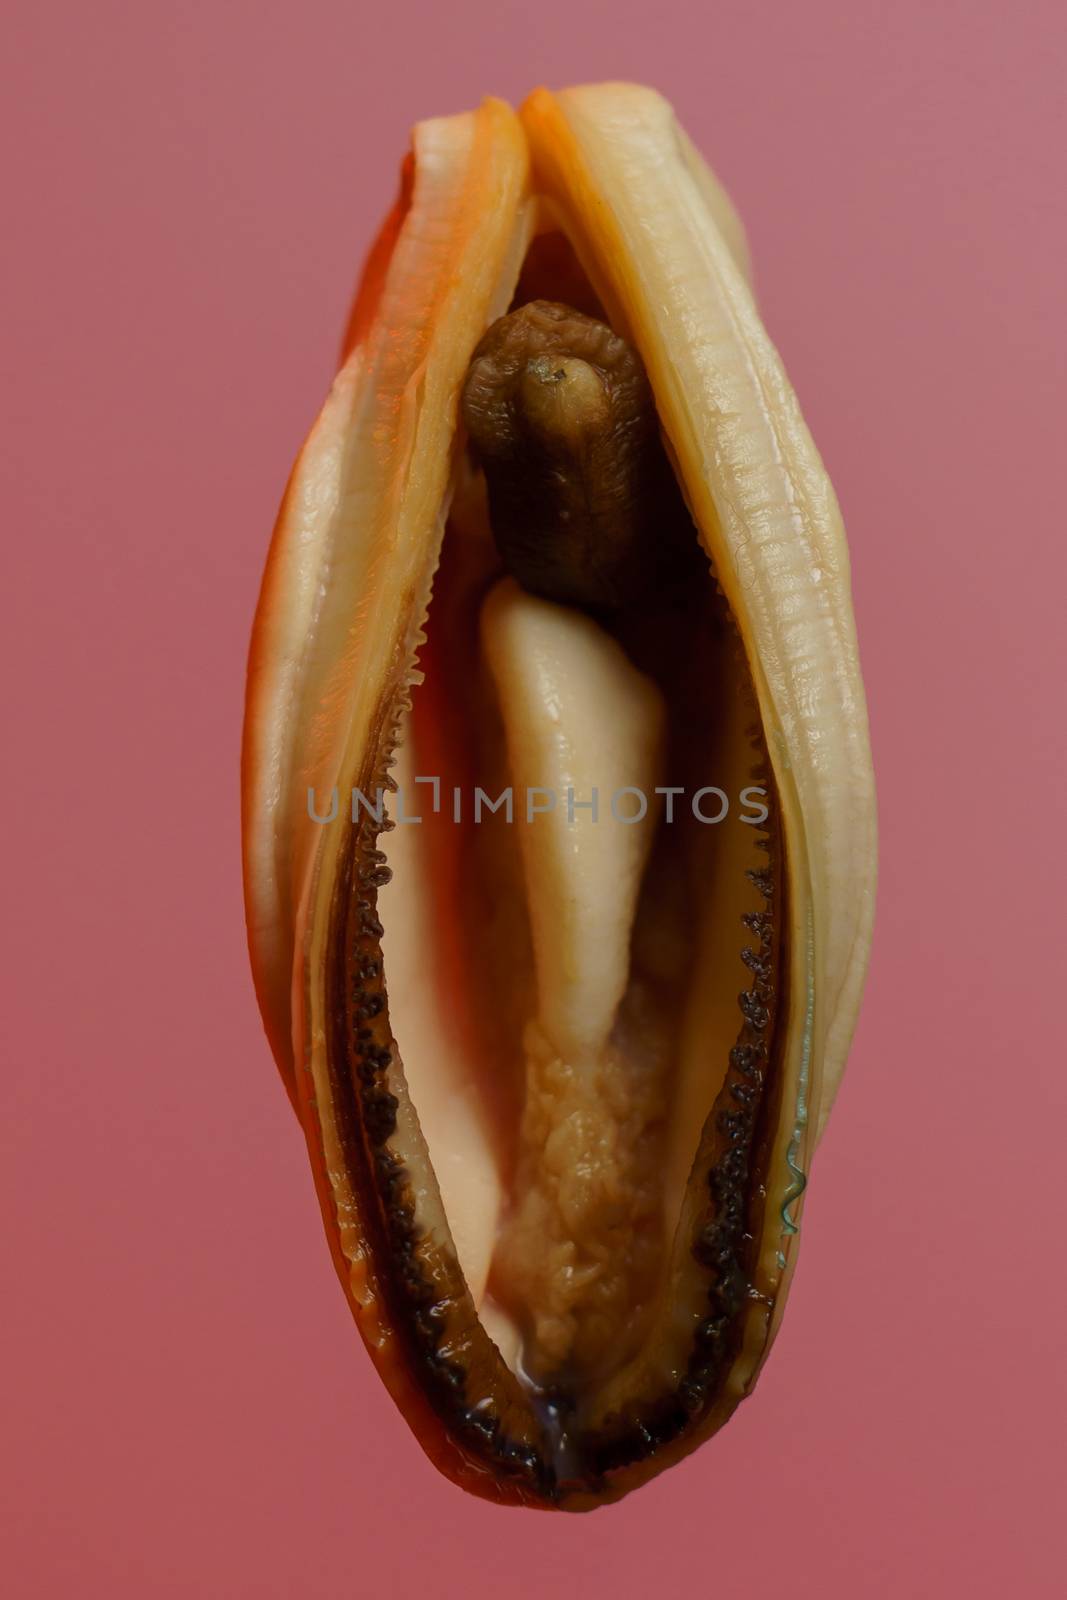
[(558, 807)]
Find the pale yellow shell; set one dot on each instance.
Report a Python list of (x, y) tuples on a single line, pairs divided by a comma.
[(357, 540)]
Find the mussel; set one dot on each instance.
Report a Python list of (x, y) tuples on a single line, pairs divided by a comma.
[(558, 808)]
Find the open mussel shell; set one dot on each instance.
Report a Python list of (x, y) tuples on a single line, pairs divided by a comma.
[(560, 1117)]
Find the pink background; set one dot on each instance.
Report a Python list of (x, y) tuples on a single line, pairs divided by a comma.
[(190, 190)]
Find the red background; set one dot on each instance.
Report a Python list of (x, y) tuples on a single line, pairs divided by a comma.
[(189, 191)]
